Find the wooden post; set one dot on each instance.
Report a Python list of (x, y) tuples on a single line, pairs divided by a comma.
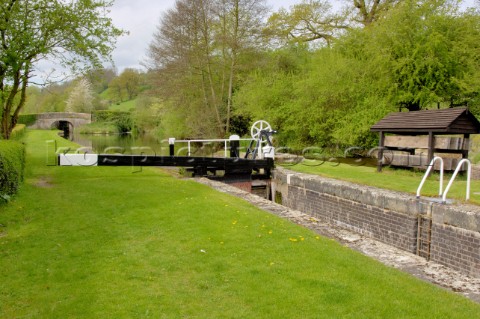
[(381, 146), (431, 147), (466, 139)]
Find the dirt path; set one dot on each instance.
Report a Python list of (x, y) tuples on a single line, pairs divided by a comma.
[(417, 266)]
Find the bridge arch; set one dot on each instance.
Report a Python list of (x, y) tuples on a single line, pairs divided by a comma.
[(61, 120), (65, 126)]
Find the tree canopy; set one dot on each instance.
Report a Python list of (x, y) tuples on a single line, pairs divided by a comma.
[(215, 66), (74, 34), (420, 54), (322, 75), (198, 53)]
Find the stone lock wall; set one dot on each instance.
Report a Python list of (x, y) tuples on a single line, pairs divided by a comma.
[(476, 172), (388, 216)]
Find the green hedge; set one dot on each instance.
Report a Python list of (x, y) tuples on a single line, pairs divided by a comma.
[(27, 119), (18, 131), (12, 165), (122, 120)]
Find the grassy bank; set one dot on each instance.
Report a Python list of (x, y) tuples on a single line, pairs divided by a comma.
[(114, 242), (99, 128)]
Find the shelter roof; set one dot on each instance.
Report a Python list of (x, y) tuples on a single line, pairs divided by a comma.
[(445, 121)]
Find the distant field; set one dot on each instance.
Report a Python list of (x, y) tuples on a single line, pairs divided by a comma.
[(123, 106)]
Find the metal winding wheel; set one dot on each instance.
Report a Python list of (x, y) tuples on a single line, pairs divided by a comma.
[(260, 132), (256, 129)]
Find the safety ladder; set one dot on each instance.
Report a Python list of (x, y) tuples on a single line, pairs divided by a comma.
[(424, 236), (424, 230)]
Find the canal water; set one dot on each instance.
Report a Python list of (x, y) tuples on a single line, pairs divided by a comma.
[(122, 144)]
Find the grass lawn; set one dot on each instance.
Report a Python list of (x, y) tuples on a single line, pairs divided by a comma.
[(99, 128), (108, 242), (394, 179), (124, 106)]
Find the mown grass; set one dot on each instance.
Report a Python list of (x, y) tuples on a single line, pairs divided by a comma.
[(114, 242), (401, 180)]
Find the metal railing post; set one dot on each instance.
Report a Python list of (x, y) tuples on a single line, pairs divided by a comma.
[(469, 173), (429, 169)]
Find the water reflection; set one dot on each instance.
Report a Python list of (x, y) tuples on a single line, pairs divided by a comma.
[(122, 144)]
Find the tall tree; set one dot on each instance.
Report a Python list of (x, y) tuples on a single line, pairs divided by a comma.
[(179, 67), (315, 21), (73, 33), (432, 55), (366, 12), (100, 78), (420, 54), (240, 21), (196, 53), (81, 97), (308, 21), (126, 86)]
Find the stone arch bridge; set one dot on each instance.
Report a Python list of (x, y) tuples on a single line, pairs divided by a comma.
[(61, 120)]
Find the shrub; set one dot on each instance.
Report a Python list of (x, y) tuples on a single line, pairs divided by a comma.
[(18, 131), (99, 128), (12, 165), (122, 120), (27, 119)]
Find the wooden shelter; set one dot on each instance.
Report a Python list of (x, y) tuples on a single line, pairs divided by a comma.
[(452, 121)]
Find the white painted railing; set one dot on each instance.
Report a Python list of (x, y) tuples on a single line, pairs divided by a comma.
[(224, 141), (469, 174), (429, 169)]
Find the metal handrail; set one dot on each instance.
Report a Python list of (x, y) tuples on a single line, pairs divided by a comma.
[(429, 169), (225, 141), (469, 173)]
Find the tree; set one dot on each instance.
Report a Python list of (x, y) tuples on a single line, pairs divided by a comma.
[(198, 52), (126, 86), (366, 12), (430, 50), (100, 78), (81, 97), (308, 21), (315, 21), (240, 22), (419, 54), (179, 61), (76, 34)]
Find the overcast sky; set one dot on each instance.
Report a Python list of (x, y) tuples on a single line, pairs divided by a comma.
[(140, 18)]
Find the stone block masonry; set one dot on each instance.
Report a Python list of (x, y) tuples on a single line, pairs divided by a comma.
[(476, 172), (387, 216), (46, 120)]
